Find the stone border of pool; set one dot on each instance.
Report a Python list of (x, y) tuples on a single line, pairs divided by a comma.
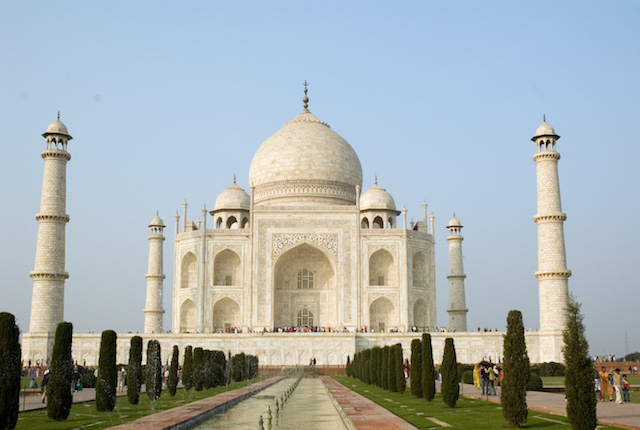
[(194, 413)]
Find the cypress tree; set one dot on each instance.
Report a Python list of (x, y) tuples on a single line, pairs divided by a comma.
[(172, 383), (187, 368), (198, 363), (220, 367), (401, 383), (578, 376), (428, 369), (348, 366), (450, 387), (416, 368), (366, 366), (10, 367), (516, 370), (59, 397), (134, 371), (154, 370), (392, 382), (373, 365), (384, 369), (208, 369), (107, 373)]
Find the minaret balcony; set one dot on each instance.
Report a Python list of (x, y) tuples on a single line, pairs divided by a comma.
[(550, 218)]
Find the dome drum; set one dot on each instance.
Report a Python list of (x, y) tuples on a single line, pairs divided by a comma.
[(294, 192)]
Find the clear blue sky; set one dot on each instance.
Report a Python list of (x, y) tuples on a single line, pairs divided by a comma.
[(166, 100)]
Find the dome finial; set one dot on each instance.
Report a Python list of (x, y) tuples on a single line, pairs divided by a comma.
[(234, 178), (58, 115), (376, 179), (305, 99), (157, 213), (544, 118)]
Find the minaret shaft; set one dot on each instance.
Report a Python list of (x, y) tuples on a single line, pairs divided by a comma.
[(47, 303), (457, 303), (552, 273), (153, 310)]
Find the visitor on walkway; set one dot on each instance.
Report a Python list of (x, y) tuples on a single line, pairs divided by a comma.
[(45, 384), (625, 389), (596, 382), (617, 385), (476, 374), (484, 377), (605, 388)]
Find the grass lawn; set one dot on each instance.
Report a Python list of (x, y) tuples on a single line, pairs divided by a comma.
[(85, 414), (24, 382), (468, 413)]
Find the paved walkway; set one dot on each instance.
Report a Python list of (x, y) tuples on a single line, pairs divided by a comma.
[(363, 413), (626, 415), (34, 401)]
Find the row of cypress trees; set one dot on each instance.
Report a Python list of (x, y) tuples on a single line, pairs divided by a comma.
[(203, 369), (384, 368), (380, 366)]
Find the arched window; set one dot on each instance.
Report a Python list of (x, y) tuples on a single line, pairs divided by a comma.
[(219, 222), (305, 279), (378, 223), (364, 223), (232, 222), (305, 318)]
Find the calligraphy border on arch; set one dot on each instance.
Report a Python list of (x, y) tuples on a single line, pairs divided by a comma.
[(284, 241)]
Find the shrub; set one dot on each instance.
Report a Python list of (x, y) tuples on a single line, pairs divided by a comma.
[(578, 381), (220, 368), (134, 371), (10, 367), (392, 371), (516, 368), (450, 389), (88, 379), (384, 372), (172, 382), (463, 368), (374, 365), (401, 383), (197, 377), (348, 366), (467, 377), (535, 383), (59, 397), (428, 369), (107, 373), (238, 366), (416, 368), (548, 369), (187, 368), (154, 370)]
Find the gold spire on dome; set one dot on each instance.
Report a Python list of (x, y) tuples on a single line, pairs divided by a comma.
[(305, 99)]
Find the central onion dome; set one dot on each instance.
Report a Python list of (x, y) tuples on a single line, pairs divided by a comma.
[(305, 162)]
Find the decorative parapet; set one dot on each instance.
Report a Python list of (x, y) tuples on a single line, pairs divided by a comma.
[(305, 188), (45, 217), (60, 276), (550, 218)]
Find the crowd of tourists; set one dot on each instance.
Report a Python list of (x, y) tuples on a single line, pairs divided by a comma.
[(610, 384), (486, 376)]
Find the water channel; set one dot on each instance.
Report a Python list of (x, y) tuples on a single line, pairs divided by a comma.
[(308, 407)]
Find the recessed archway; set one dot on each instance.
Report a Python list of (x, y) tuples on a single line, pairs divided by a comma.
[(382, 315), (188, 317), (304, 277), (419, 269), (382, 268), (188, 271), (226, 268), (226, 315), (420, 310)]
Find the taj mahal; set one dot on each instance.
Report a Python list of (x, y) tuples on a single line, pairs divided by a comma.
[(304, 264)]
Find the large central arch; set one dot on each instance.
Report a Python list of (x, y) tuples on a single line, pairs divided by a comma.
[(304, 282)]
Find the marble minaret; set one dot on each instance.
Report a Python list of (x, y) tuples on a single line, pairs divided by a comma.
[(457, 303), (552, 273), (47, 303), (153, 310)]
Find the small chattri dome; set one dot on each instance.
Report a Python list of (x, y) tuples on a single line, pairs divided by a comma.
[(454, 222), (156, 222), (233, 198), (377, 198), (544, 130), (57, 127)]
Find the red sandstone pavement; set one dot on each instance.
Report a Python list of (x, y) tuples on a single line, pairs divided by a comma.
[(626, 415), (363, 413)]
